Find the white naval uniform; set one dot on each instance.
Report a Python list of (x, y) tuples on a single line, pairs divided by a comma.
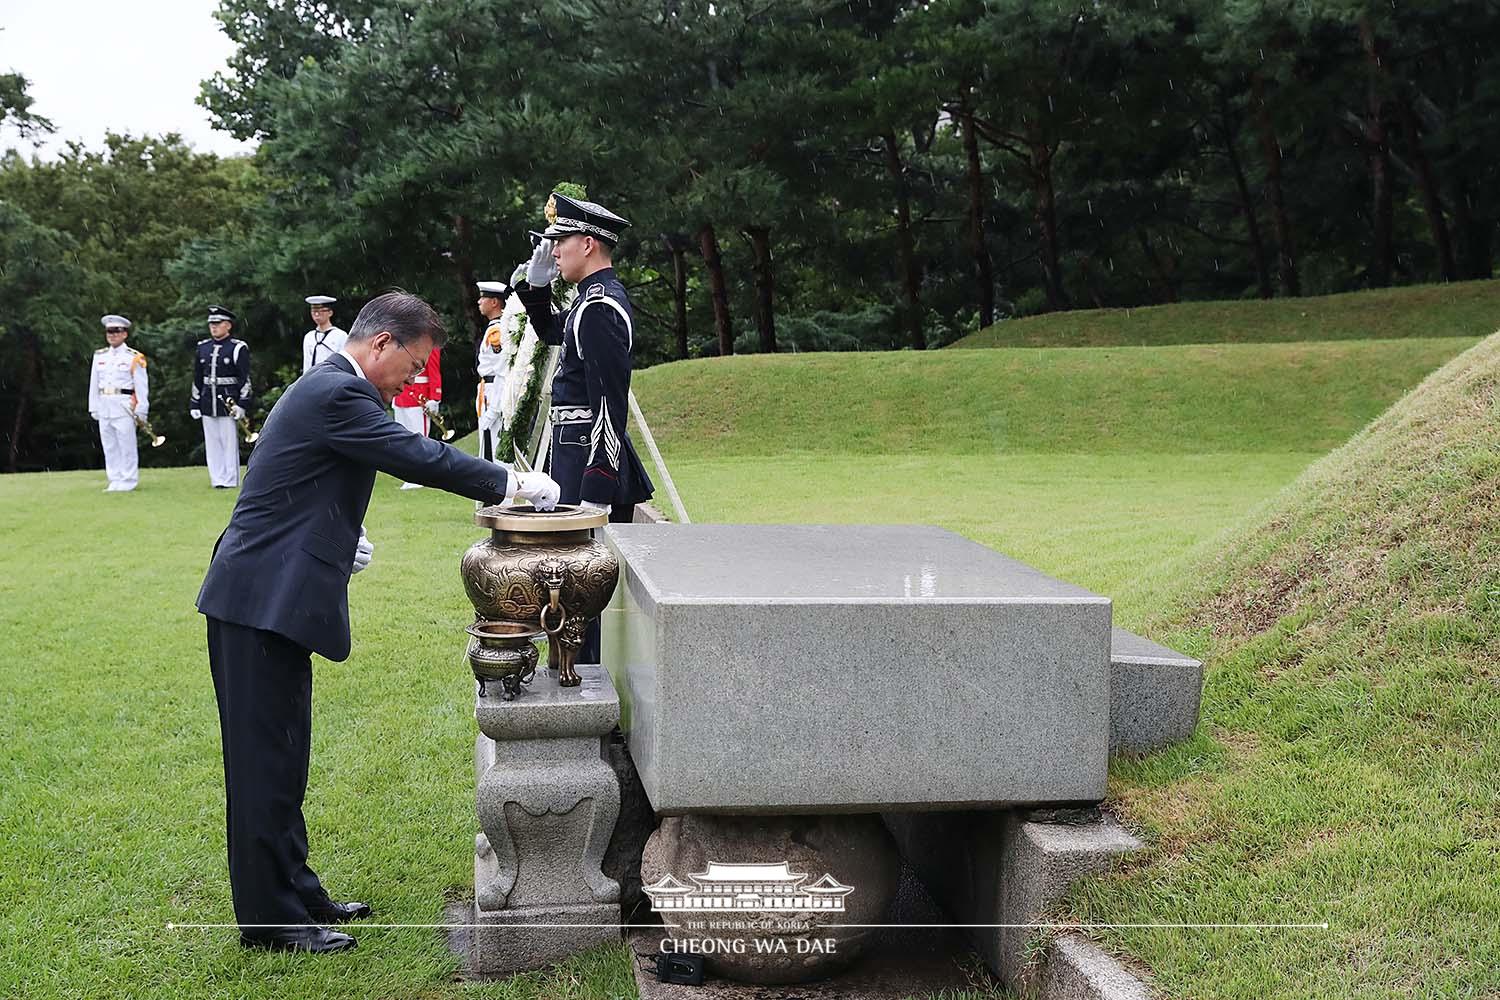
[(318, 346), (118, 390), (491, 367)]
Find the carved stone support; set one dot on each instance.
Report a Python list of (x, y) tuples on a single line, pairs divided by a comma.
[(547, 803)]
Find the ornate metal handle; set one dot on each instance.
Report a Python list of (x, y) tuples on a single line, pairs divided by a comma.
[(552, 574)]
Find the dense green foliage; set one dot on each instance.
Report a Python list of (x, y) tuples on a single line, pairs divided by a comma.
[(1345, 768), (929, 168)]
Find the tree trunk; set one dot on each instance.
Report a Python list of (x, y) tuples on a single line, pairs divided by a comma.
[(1163, 273), (983, 268), (709, 244), (1046, 221), (765, 286), (1474, 234), (1427, 183), (1270, 147), (906, 242), (1378, 156), (463, 273), (21, 424), (1230, 132), (677, 247)]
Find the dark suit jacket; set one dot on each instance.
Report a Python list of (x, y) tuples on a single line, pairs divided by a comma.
[(283, 563)]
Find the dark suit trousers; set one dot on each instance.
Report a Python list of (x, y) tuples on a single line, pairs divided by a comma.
[(566, 463), (263, 684)]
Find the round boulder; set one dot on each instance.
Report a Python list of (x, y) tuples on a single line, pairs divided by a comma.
[(762, 893)]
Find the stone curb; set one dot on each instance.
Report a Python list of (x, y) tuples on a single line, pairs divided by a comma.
[(1078, 969)]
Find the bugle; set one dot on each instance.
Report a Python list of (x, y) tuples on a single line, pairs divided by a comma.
[(250, 436), (157, 440)]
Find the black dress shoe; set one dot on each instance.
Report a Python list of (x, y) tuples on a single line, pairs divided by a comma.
[(314, 939), (333, 912)]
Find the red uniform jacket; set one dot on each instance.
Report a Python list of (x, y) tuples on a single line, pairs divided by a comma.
[(428, 385)]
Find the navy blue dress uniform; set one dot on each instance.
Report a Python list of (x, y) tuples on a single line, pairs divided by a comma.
[(591, 455), (221, 387), (277, 591)]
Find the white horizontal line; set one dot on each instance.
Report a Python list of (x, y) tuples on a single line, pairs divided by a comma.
[(1039, 926)]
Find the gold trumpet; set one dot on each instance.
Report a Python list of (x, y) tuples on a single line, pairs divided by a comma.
[(250, 436), (157, 440), (439, 423)]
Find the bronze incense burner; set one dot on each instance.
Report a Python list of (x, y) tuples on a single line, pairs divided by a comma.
[(539, 571)]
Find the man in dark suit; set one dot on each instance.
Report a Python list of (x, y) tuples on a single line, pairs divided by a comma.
[(277, 591)]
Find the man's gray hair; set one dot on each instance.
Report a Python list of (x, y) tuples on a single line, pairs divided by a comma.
[(405, 316)]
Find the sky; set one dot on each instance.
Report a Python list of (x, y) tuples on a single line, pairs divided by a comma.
[(122, 65)]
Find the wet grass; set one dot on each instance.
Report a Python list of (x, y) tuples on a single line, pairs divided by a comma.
[(1345, 769)]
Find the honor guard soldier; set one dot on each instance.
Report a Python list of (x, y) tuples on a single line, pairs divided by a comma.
[(118, 396), (592, 458), (221, 395), (419, 398), (490, 365), (324, 340)]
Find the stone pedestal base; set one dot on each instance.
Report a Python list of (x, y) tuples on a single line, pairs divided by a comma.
[(547, 804), (529, 937)]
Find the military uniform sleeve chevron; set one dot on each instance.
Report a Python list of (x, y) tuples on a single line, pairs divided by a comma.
[(602, 338)]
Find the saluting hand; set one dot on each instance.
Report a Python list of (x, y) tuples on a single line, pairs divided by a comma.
[(542, 269)]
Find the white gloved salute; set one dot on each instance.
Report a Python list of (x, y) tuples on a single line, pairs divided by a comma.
[(537, 487), (542, 269), (362, 551)]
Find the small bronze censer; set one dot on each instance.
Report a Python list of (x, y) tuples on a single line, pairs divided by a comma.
[(504, 652), (540, 571)]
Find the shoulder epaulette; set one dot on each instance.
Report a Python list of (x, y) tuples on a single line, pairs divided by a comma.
[(205, 340), (595, 291), (101, 350)]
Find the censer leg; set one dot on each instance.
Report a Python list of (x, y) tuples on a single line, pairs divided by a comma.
[(566, 676)]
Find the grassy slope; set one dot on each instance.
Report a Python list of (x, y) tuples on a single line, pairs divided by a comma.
[(1347, 767), (1461, 309), (1093, 465), (1202, 398)]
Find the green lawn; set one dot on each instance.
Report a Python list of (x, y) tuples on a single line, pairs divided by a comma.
[(111, 797), (1468, 309)]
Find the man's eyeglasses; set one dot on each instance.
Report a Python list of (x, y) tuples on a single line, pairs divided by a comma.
[(114, 329), (420, 364)]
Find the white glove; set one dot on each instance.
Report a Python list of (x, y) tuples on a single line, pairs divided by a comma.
[(537, 487), (235, 413), (542, 269), (94, 414), (601, 508), (431, 406), (196, 414), (363, 551)]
